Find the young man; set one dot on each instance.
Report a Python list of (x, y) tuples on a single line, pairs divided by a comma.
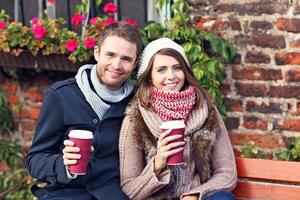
[(94, 100)]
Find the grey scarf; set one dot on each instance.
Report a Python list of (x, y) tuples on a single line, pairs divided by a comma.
[(102, 92)]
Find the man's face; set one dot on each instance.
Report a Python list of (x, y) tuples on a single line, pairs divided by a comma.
[(115, 61)]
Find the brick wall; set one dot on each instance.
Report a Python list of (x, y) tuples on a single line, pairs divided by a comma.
[(263, 89), (25, 97)]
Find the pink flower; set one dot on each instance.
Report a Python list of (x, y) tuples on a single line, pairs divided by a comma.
[(2, 25), (39, 31), (77, 19), (93, 20), (109, 21), (71, 45), (35, 20), (89, 43), (110, 7), (131, 22), (52, 2)]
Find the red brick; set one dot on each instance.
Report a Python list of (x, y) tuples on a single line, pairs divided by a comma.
[(10, 88), (30, 112), (271, 141), (295, 43), (291, 58), (298, 107), (223, 8), (205, 23), (261, 25), (13, 100), (255, 73), (232, 123), (34, 95), (252, 122), (225, 88), (257, 57), (285, 91), (28, 125), (288, 124), (289, 25), (252, 106), (233, 105), (292, 75), (256, 90), (268, 41), (225, 25)]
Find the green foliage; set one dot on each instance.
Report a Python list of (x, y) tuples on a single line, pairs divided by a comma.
[(207, 69), (5, 114), (292, 153), (15, 182)]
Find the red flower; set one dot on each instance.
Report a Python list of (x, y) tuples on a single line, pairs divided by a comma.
[(39, 31), (2, 25), (71, 45), (52, 2), (131, 22), (109, 21), (89, 43), (77, 19), (110, 7), (35, 20), (93, 20)]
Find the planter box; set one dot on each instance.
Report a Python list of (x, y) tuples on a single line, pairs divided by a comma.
[(267, 179), (56, 62), (24, 60)]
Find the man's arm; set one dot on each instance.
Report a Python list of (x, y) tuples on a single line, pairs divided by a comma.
[(44, 160)]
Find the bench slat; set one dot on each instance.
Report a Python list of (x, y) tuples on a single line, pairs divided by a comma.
[(272, 170), (266, 191)]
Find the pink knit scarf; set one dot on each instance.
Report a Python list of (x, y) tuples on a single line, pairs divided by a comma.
[(173, 105)]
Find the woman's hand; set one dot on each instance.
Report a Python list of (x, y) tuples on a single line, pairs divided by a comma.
[(191, 197), (165, 149), (70, 153)]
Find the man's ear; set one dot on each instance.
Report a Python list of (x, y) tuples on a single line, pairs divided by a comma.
[(136, 63), (96, 52)]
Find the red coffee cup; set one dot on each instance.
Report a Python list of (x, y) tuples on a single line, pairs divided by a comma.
[(178, 127), (82, 139)]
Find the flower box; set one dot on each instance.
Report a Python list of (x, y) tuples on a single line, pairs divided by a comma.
[(23, 60)]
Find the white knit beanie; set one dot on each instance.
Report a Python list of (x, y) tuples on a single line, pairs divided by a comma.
[(155, 46)]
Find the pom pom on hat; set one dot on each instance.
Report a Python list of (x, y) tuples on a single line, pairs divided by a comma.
[(155, 46)]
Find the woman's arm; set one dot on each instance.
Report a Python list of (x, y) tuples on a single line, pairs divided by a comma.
[(224, 173), (138, 180)]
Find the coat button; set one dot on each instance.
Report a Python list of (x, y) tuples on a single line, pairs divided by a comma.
[(95, 121)]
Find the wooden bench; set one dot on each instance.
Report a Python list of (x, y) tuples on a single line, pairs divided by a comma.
[(267, 179)]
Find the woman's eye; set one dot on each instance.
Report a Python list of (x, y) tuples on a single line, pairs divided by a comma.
[(161, 70), (177, 67)]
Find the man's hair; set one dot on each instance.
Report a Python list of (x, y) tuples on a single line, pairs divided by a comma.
[(144, 91), (123, 30)]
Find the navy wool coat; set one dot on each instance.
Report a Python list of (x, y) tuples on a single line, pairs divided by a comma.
[(65, 108)]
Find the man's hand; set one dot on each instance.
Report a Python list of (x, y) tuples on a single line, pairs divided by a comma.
[(70, 153)]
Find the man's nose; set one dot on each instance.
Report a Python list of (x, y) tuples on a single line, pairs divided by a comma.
[(116, 63)]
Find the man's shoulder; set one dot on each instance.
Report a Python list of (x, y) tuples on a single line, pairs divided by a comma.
[(64, 83)]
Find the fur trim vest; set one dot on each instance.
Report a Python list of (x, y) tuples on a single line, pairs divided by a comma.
[(202, 127)]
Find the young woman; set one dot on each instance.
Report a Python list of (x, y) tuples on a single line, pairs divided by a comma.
[(169, 91)]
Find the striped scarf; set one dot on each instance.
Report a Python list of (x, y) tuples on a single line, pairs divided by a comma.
[(173, 105)]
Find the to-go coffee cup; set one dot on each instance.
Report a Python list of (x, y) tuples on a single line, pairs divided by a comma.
[(178, 127), (82, 139)]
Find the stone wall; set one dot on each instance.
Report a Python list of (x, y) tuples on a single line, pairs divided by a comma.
[(263, 89)]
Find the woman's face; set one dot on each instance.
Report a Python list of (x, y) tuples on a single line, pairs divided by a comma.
[(167, 74)]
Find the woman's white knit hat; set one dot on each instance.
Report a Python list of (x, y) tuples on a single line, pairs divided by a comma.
[(155, 46)]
